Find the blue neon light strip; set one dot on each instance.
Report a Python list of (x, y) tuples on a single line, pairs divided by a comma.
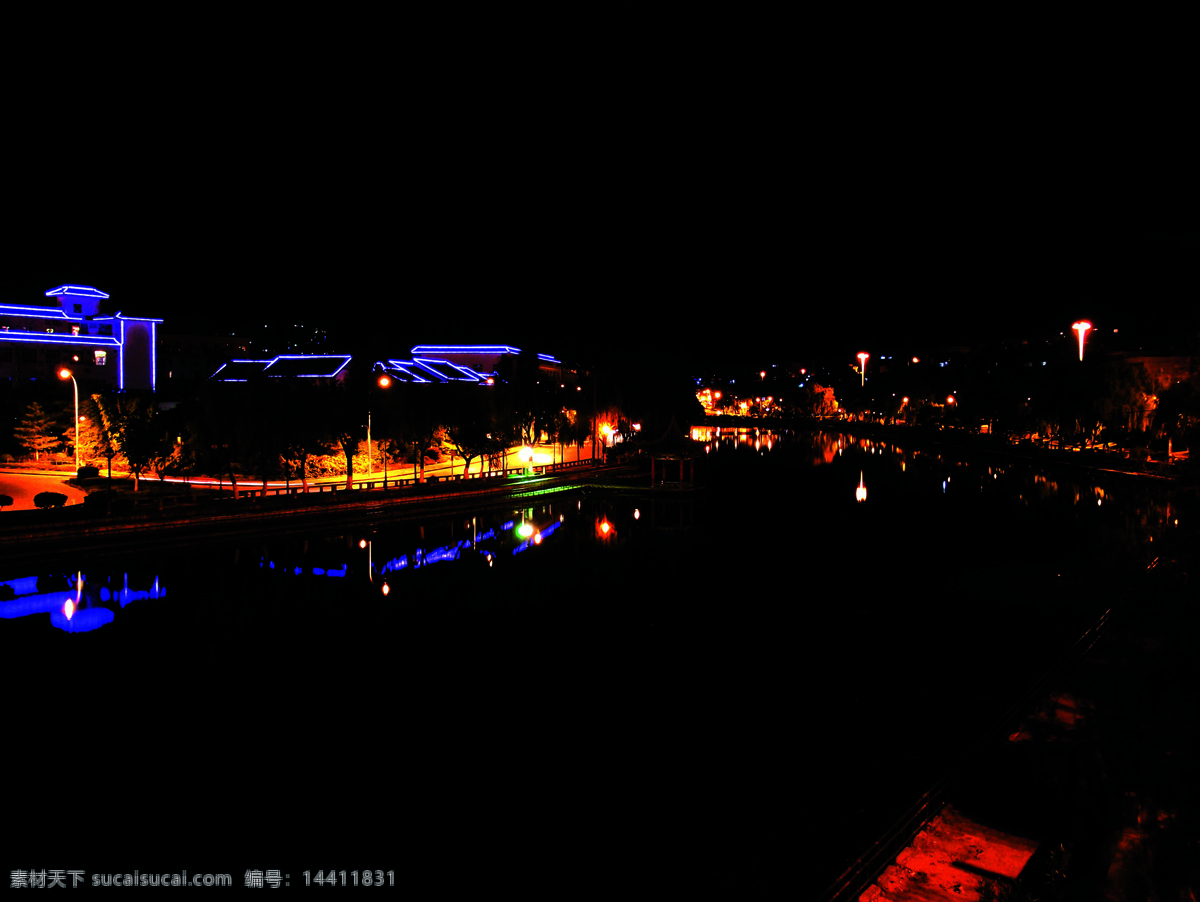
[(39, 312), (83, 291), (466, 377), (59, 339), (465, 349), (441, 377), (342, 357), (403, 367), (547, 357), (490, 534)]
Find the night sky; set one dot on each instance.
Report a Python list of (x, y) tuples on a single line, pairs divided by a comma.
[(703, 223)]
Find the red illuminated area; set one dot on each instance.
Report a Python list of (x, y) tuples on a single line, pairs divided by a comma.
[(950, 859)]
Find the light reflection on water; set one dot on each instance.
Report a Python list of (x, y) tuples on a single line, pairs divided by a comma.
[(79, 602), (1120, 511), (80, 605)]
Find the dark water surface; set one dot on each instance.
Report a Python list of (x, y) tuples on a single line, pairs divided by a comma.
[(730, 687)]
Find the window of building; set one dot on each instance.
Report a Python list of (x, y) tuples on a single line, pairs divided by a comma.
[(101, 356), (78, 308), (105, 330)]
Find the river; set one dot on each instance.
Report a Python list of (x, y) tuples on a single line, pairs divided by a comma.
[(654, 688)]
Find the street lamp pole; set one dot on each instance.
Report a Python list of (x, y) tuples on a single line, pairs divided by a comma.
[(862, 370), (65, 373), (383, 382)]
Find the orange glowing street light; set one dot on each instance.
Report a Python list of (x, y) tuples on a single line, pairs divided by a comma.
[(64, 374), (860, 493), (1081, 327), (862, 359)]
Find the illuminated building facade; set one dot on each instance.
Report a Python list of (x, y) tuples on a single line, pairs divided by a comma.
[(105, 349), (478, 364)]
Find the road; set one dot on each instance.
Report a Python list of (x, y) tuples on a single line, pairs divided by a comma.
[(21, 487)]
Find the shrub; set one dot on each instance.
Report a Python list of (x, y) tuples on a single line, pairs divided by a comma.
[(88, 472), (6, 501), (46, 500)]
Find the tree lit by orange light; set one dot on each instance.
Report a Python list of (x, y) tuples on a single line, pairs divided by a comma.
[(1081, 327)]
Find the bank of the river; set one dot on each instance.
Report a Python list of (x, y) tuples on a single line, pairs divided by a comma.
[(997, 447), (171, 520)]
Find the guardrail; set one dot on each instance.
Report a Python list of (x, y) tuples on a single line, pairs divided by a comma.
[(408, 482), (858, 877)]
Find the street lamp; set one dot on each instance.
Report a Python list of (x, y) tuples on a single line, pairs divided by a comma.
[(862, 359), (383, 382), (1081, 327), (65, 373)]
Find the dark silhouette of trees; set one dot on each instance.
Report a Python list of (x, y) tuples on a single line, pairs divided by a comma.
[(468, 421), (37, 431)]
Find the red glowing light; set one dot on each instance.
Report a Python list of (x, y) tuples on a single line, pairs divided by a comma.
[(362, 543), (604, 527), (537, 538), (384, 381), (385, 589), (69, 608)]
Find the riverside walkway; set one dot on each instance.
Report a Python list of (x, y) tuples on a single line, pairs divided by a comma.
[(152, 520)]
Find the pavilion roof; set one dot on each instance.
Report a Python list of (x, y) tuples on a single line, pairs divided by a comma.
[(673, 445)]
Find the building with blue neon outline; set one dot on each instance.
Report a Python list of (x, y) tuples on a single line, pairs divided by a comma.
[(102, 348)]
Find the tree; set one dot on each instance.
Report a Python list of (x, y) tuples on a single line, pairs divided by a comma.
[(90, 440), (518, 394), (36, 431), (304, 434), (141, 440)]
